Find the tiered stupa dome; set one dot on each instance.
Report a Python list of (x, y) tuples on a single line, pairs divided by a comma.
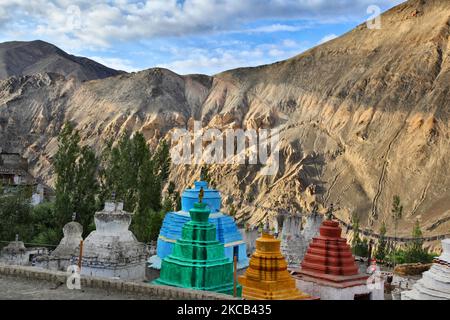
[(267, 277), (198, 259), (329, 255), (226, 230), (435, 283), (329, 269)]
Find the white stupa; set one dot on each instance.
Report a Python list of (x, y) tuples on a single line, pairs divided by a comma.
[(294, 241), (112, 251), (67, 251), (435, 283)]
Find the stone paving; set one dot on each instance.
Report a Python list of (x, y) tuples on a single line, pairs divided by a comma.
[(12, 288)]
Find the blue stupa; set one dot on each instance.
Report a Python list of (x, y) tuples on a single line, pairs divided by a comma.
[(227, 231)]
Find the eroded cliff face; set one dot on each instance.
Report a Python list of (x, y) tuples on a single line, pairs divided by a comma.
[(361, 118)]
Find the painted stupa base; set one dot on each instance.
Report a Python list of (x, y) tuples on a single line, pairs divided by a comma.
[(329, 269), (435, 283), (267, 277), (332, 291), (226, 230), (198, 261)]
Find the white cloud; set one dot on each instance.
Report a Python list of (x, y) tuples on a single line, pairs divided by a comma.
[(116, 63), (327, 38), (101, 23), (275, 28), (201, 60)]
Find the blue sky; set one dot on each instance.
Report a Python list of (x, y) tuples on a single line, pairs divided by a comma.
[(186, 36)]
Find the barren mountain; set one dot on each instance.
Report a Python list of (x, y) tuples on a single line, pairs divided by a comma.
[(361, 118), (27, 58)]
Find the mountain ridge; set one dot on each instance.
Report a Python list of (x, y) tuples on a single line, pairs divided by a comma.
[(361, 118), (18, 58)]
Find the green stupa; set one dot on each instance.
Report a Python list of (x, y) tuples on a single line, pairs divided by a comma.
[(198, 260)]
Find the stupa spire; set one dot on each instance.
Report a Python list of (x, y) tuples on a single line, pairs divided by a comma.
[(201, 194)]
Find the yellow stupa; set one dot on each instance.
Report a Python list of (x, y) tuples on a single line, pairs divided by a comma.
[(267, 277)]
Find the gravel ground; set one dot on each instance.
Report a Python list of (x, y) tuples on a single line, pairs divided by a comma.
[(23, 289)]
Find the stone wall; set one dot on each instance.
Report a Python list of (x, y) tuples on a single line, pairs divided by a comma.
[(162, 292), (326, 292)]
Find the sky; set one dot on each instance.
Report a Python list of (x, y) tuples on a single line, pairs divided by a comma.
[(186, 36)]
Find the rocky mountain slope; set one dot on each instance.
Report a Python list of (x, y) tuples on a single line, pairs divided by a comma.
[(28, 58), (361, 118)]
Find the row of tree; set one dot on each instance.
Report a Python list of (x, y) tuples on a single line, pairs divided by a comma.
[(33, 224), (390, 253), (128, 171)]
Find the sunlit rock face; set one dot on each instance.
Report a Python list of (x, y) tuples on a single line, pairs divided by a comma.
[(112, 250), (435, 283)]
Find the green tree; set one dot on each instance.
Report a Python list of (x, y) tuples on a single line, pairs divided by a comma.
[(76, 180), (397, 212), (162, 161), (175, 197), (168, 204), (156, 221), (137, 178), (415, 251), (45, 228), (355, 227), (359, 247), (121, 166), (382, 244), (65, 170), (145, 201), (86, 189), (177, 201), (15, 215)]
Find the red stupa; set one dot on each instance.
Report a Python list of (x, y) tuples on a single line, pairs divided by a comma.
[(329, 269)]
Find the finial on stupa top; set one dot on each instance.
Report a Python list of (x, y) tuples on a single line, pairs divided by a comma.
[(74, 216), (201, 194), (17, 237), (202, 173), (330, 212), (113, 196), (266, 228)]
